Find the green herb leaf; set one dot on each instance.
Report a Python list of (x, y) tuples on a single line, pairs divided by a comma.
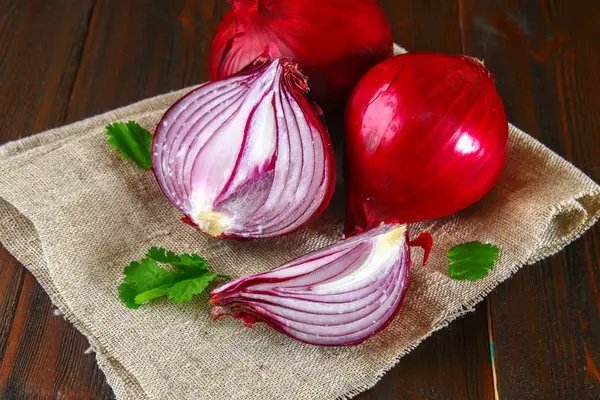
[(133, 142), (185, 290), (146, 280), (148, 295), (472, 261), (190, 263)]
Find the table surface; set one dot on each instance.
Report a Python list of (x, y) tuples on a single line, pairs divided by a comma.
[(537, 336)]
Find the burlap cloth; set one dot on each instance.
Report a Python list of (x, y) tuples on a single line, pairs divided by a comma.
[(75, 213)]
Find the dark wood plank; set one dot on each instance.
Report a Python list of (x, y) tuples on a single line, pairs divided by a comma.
[(138, 49), (11, 280), (455, 362), (40, 48), (45, 356), (545, 320)]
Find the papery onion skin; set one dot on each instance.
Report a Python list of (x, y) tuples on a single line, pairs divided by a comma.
[(426, 137), (340, 295), (335, 42), (247, 156)]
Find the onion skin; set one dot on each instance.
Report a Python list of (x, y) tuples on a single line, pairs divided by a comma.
[(248, 156), (335, 42), (340, 295), (426, 137)]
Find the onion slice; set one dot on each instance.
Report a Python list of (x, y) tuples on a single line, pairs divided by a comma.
[(246, 156), (336, 296)]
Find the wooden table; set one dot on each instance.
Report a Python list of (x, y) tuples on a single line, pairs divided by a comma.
[(535, 337)]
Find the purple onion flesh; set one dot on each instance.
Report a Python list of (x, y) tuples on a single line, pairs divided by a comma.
[(246, 156), (336, 296)]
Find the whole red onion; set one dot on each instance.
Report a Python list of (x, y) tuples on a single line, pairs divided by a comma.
[(426, 137), (334, 42)]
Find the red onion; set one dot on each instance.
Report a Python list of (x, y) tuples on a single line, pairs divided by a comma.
[(426, 137), (336, 296), (247, 156), (335, 42)]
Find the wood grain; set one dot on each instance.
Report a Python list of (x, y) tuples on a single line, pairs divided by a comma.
[(455, 362), (138, 49), (546, 60)]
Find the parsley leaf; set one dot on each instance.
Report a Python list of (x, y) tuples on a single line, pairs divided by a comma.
[(133, 142), (185, 290), (472, 261), (146, 280), (184, 262)]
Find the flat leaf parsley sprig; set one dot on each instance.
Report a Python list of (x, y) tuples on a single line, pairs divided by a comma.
[(133, 142), (472, 261), (145, 280)]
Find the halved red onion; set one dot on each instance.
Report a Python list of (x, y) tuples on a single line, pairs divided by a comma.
[(336, 296), (246, 156)]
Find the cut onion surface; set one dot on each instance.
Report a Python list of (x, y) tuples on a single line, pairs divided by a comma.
[(336, 296), (247, 156)]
